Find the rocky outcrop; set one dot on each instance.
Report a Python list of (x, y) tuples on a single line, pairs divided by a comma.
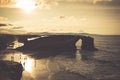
[(51, 42), (5, 40), (55, 42), (59, 42), (11, 70), (88, 43), (3, 43)]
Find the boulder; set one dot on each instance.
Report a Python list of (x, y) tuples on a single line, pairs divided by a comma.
[(10, 70)]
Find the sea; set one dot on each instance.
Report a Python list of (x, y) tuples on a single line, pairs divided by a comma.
[(103, 64)]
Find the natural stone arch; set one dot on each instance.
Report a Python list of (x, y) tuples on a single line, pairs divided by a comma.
[(68, 42)]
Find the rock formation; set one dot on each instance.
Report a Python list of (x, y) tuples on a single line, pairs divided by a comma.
[(88, 43), (10, 70), (55, 42)]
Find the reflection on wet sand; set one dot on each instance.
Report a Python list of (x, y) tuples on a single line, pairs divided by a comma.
[(47, 65), (53, 65), (26, 61), (27, 76), (39, 66)]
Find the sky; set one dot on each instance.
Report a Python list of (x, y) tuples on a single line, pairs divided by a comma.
[(89, 16)]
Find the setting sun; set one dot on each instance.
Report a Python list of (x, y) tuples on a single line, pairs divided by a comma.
[(26, 5)]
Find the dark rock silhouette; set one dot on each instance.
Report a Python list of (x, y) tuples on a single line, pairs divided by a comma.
[(3, 43), (48, 42), (5, 40), (12, 70), (88, 43), (59, 42), (55, 42)]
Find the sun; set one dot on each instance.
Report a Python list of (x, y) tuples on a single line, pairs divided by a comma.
[(26, 5)]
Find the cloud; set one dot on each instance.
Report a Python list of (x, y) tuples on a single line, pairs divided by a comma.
[(69, 18), (85, 1), (62, 23), (96, 1), (7, 2), (69, 23), (37, 3), (10, 28), (47, 3), (3, 19)]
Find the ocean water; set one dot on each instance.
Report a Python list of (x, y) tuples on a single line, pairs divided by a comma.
[(103, 64)]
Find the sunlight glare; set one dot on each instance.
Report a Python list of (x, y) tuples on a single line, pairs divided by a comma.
[(26, 5), (28, 64)]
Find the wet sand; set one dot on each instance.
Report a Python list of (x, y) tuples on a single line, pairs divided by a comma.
[(80, 65)]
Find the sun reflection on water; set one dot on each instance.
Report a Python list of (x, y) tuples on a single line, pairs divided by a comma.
[(27, 62)]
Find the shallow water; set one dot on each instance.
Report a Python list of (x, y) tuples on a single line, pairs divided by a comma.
[(81, 65)]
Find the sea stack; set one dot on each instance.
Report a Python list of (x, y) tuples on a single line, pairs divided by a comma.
[(88, 43)]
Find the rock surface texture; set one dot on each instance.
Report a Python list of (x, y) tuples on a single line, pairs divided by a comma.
[(10, 70)]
